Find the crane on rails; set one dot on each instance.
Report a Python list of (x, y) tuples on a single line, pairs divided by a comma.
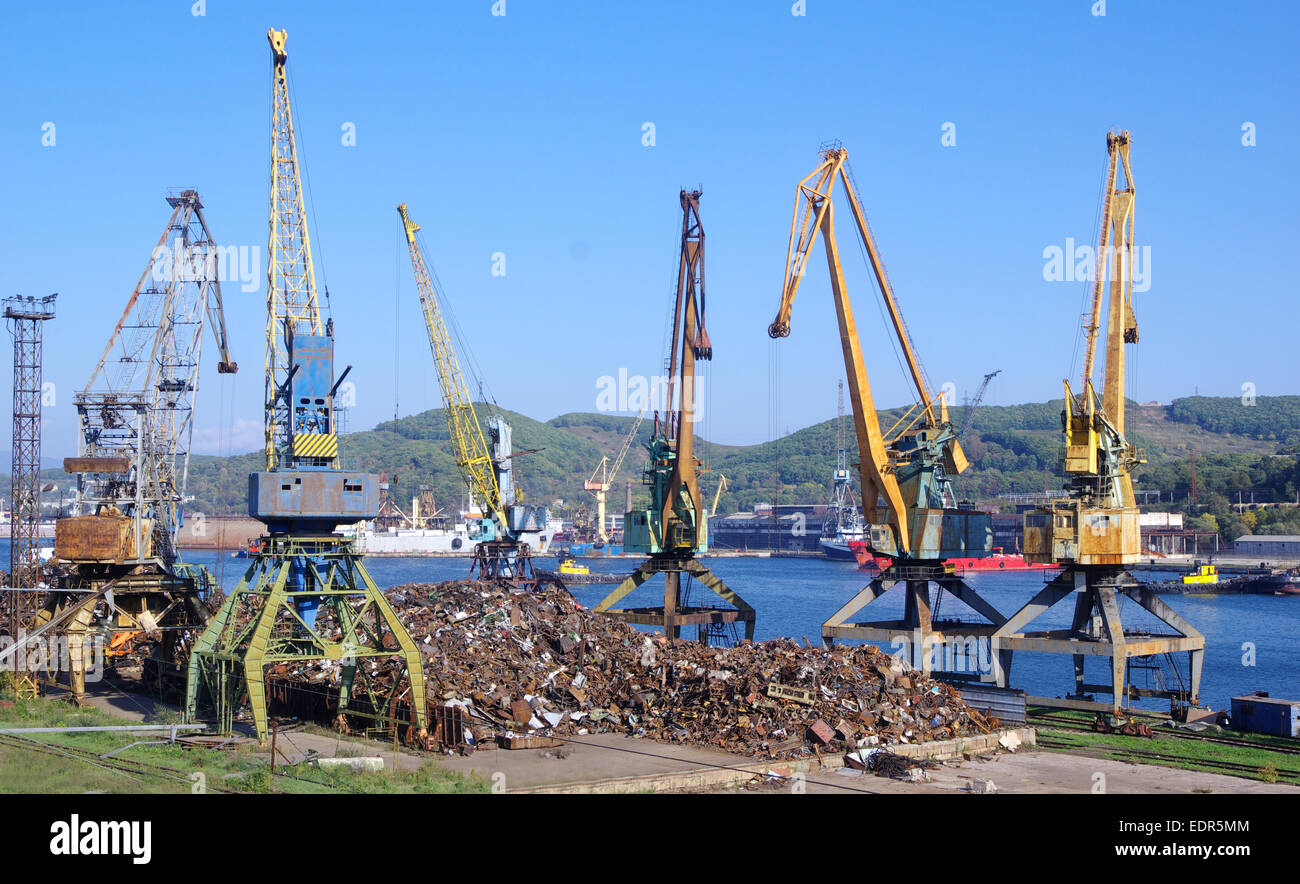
[(674, 529), (307, 597), (136, 419), (906, 472), (603, 476), (509, 531), (1094, 532)]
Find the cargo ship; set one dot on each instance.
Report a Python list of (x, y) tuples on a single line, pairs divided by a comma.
[(453, 540)]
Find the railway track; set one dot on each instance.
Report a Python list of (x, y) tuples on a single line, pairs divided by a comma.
[(134, 770), (1210, 764), (1047, 723)]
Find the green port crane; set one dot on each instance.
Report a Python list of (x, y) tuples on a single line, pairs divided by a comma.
[(674, 528)]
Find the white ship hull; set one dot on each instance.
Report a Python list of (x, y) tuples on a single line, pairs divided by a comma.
[(435, 541)]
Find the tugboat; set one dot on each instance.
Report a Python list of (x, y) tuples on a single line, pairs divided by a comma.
[(570, 572), (1205, 579), (569, 567)]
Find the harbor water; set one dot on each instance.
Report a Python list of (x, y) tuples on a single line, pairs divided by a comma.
[(1250, 639)]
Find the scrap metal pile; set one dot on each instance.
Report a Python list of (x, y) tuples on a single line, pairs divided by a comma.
[(519, 664)]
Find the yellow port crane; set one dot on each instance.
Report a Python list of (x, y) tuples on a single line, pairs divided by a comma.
[(910, 465), (911, 513), (606, 473), (509, 531), (467, 439), (1094, 532)]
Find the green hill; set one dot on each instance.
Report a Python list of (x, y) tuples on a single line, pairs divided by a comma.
[(1011, 449)]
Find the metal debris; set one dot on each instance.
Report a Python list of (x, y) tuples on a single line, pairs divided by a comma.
[(539, 664)]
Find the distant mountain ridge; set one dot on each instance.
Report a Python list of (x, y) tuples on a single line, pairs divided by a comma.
[(1010, 448)]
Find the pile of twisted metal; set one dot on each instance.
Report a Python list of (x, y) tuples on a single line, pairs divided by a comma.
[(518, 667)]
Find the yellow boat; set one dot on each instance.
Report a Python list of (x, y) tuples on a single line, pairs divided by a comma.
[(569, 567), (1204, 574)]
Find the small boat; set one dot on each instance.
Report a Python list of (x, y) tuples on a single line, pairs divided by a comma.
[(253, 549), (1202, 574), (569, 567), (570, 572)]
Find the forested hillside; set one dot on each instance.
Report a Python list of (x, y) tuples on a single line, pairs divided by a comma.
[(1238, 449)]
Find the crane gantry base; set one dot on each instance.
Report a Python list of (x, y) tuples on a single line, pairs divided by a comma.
[(1097, 630), (103, 611), (674, 615), (260, 624), (918, 631)]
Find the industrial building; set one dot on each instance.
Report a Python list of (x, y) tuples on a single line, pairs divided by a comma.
[(794, 527), (1278, 546)]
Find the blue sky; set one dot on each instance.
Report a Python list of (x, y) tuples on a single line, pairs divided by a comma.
[(522, 134)]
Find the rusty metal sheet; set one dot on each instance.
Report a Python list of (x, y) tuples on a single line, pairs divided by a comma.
[(99, 538), (96, 465)]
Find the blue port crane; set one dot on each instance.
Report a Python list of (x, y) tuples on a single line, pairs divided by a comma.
[(307, 597)]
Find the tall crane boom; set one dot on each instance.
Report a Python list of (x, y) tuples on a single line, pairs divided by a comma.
[(136, 412), (291, 305), (979, 397), (1098, 456), (472, 454), (911, 465), (606, 473), (511, 530)]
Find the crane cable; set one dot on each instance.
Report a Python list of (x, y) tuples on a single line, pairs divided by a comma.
[(301, 164)]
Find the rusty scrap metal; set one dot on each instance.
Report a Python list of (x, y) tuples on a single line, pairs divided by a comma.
[(519, 665)]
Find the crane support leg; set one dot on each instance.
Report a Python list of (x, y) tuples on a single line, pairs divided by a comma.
[(1097, 630), (675, 614), (949, 648), (265, 621)]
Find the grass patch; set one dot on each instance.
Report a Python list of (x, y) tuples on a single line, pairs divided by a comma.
[(24, 769), (1265, 764)]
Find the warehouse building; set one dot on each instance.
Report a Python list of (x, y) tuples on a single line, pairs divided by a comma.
[(1280, 546)]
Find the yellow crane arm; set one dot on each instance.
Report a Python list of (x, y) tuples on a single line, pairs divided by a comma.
[(291, 306), (717, 495), (813, 213), (472, 454), (622, 452)]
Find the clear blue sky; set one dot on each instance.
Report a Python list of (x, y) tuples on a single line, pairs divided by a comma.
[(523, 134)]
